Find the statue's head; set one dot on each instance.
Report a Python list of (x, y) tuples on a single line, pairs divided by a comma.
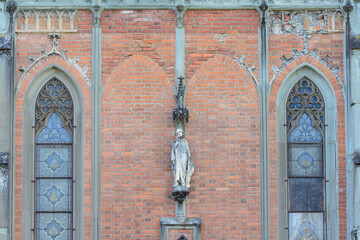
[(179, 133)]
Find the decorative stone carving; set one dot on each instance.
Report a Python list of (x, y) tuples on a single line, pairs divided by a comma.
[(305, 51), (46, 20), (180, 10), (180, 193), (54, 51), (181, 163), (4, 19), (180, 112), (221, 36), (250, 70), (97, 10), (296, 22)]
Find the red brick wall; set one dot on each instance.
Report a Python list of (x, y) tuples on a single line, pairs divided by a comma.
[(202, 41), (147, 32), (137, 133), (223, 135)]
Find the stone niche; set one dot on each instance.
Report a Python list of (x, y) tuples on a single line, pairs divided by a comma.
[(180, 229)]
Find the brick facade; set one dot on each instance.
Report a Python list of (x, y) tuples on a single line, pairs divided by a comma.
[(137, 130)]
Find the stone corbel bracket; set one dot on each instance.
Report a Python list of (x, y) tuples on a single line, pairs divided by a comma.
[(54, 51), (97, 10), (305, 51), (250, 70), (180, 9)]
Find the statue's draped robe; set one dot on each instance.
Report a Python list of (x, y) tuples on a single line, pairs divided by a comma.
[(182, 164)]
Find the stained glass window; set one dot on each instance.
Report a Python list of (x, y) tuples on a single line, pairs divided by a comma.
[(54, 162), (306, 175)]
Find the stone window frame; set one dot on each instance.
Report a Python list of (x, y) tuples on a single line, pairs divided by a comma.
[(330, 143), (28, 207)]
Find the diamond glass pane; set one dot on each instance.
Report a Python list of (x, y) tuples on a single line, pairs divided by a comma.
[(305, 132), (306, 194), (54, 161), (54, 226), (305, 161), (306, 226), (54, 132), (54, 195)]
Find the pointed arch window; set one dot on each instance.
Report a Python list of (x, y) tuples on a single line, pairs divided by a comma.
[(306, 162), (54, 162)]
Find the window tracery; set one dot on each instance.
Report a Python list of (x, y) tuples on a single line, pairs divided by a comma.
[(54, 162), (306, 175)]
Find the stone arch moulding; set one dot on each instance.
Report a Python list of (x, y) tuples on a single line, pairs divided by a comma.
[(305, 56), (238, 64), (334, 102), (27, 90), (54, 57), (137, 60)]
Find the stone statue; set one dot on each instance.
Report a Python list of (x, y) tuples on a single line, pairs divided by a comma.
[(181, 163)]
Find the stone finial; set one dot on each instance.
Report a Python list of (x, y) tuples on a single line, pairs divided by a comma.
[(54, 40), (306, 36)]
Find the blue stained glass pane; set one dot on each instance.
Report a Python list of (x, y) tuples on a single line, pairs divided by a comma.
[(54, 161), (54, 226), (305, 160), (305, 132), (54, 195), (54, 132), (306, 226)]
